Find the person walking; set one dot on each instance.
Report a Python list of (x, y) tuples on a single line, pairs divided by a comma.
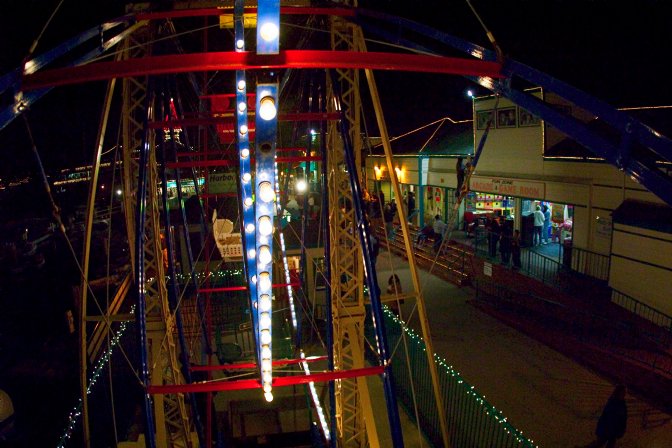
[(538, 225), (613, 421)]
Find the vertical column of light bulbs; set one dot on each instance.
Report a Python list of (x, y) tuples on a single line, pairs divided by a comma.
[(268, 42), (243, 141), (265, 144)]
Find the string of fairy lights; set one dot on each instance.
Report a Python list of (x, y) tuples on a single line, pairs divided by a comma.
[(76, 412)]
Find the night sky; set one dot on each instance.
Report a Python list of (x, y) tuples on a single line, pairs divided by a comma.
[(616, 53)]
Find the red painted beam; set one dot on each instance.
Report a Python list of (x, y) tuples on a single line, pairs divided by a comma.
[(252, 365), (278, 381), (219, 153), (203, 12), (228, 120), (243, 288), (215, 163), (295, 59)]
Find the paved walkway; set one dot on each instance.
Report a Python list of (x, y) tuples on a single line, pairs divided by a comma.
[(552, 399)]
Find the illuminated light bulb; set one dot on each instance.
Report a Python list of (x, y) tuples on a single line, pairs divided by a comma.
[(243, 129), (265, 303), (265, 256), (266, 192), (249, 228), (241, 84), (244, 153), (269, 31), (265, 281), (251, 253), (301, 186), (267, 377), (265, 351), (247, 177), (268, 396), (267, 110), (265, 320), (266, 364), (242, 106), (265, 337), (265, 225), (268, 388), (248, 202), (240, 44), (253, 279)]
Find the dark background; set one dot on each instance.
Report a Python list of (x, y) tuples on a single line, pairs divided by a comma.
[(615, 51)]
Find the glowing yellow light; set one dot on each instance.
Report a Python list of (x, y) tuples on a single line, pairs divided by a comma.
[(265, 337), (268, 396), (269, 31), (265, 302), (241, 84), (243, 129), (267, 110), (244, 153), (265, 281), (265, 226), (242, 106), (265, 320), (248, 202), (266, 192), (265, 256)]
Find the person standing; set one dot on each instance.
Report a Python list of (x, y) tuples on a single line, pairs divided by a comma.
[(538, 226), (388, 216), (505, 243), (494, 232), (547, 223), (394, 288), (459, 170), (515, 249), (439, 229), (613, 421), (411, 205)]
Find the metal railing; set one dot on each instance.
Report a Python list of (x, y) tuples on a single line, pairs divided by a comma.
[(533, 264), (472, 421), (662, 320), (621, 337), (590, 263)]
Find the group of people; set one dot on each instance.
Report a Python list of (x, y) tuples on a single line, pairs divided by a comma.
[(435, 231), (542, 225), (503, 235)]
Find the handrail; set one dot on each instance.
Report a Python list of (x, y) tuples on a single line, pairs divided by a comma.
[(642, 309), (590, 263)]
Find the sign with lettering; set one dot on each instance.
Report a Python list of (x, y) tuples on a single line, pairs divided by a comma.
[(509, 187), (222, 183)]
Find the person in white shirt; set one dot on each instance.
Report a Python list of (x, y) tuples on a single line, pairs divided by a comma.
[(538, 226), (439, 229)]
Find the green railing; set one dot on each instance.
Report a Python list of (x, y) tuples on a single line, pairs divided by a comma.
[(472, 421)]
